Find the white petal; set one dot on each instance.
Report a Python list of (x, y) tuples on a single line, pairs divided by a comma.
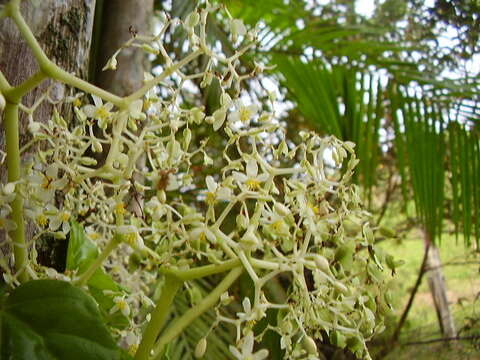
[(235, 352), (262, 177), (211, 184), (136, 107), (247, 346), (260, 355), (253, 109), (97, 101), (240, 177), (247, 306), (234, 116), (89, 110), (52, 171), (252, 168)]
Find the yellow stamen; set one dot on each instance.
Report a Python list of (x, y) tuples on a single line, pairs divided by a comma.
[(120, 208), (102, 113), (253, 184), (77, 102), (65, 216), (42, 220), (210, 198), (245, 114)]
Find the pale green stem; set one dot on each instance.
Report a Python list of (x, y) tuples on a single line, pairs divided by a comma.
[(156, 80), (210, 300), (85, 276), (13, 165), (15, 94), (159, 316), (52, 70), (202, 271), (4, 85)]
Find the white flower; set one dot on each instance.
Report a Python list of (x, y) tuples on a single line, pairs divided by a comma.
[(252, 180), (216, 192), (243, 113), (237, 28), (156, 208), (99, 111), (131, 236), (120, 305), (201, 233), (59, 219), (246, 349), (275, 223), (47, 183)]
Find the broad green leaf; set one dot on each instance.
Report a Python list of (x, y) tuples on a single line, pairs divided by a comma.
[(81, 253), (50, 320), (81, 250)]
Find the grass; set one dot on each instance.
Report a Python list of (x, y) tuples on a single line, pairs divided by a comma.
[(461, 272)]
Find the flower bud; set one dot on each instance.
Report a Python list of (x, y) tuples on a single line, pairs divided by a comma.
[(192, 20), (309, 345), (201, 348)]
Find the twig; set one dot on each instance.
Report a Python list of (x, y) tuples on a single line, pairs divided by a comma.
[(456, 338)]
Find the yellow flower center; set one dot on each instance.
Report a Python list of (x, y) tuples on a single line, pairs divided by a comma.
[(278, 225), (65, 216), (120, 208), (245, 114), (210, 198), (47, 181), (253, 184), (94, 235), (42, 220), (315, 208), (131, 239), (132, 349), (102, 113), (122, 305), (77, 102)]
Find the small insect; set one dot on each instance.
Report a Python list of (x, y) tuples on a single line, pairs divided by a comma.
[(163, 178), (133, 30)]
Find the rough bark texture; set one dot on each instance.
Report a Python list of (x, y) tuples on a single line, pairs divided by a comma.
[(438, 289), (64, 30), (120, 21)]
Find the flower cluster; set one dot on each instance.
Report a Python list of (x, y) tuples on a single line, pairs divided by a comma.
[(129, 174)]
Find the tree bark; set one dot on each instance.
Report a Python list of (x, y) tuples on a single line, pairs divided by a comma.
[(119, 22), (438, 290), (64, 29)]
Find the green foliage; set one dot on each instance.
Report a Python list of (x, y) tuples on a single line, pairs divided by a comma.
[(81, 253), (50, 319)]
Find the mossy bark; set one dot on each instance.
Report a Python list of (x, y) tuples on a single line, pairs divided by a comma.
[(64, 30)]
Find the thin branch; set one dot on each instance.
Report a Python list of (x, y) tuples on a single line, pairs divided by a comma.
[(456, 338)]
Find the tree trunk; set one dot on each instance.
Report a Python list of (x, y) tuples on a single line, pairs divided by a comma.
[(120, 21), (438, 290), (64, 29)]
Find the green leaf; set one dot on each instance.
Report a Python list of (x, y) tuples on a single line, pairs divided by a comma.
[(80, 254), (81, 250), (51, 319)]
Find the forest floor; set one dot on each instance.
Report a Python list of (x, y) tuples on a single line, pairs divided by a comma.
[(421, 336)]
